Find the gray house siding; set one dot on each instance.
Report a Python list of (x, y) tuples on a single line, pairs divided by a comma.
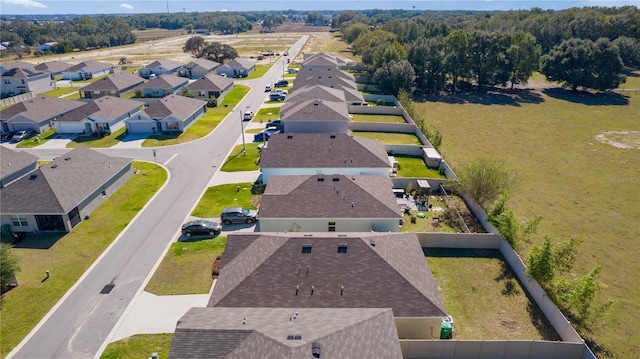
[(306, 126), (36, 84), (323, 224)]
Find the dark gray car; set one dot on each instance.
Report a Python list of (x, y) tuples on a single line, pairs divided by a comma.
[(238, 215)]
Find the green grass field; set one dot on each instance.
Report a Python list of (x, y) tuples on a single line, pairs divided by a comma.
[(415, 167), (259, 72), (358, 117), (242, 161), (217, 198), (95, 142), (267, 114), (390, 138), (139, 346), (68, 256), (37, 140), (186, 269), (580, 185), (61, 91)]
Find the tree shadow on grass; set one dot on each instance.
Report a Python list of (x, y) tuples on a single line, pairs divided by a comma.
[(495, 96), (588, 98), (461, 253), (509, 279)]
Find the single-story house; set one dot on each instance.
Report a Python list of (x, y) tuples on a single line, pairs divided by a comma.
[(350, 93), (331, 270), (56, 68), (15, 164), (237, 67), (58, 195), (47, 46), (256, 333), (99, 117), (18, 80), (316, 91), (324, 72), (87, 70), (118, 84), (159, 67), (161, 86), (197, 68), (170, 114), (211, 86), (310, 58), (35, 114), (329, 203), (322, 153), (315, 116)]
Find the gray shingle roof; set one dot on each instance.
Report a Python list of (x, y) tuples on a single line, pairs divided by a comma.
[(324, 72), (62, 184), (217, 333), (210, 82), (13, 64), (179, 106), (329, 196), (53, 66), (239, 62), (12, 161), (314, 92), (314, 110), (90, 66), (40, 108), (265, 272), (317, 150), (204, 63), (164, 82), (311, 56), (114, 82), (108, 108), (167, 64), (21, 73)]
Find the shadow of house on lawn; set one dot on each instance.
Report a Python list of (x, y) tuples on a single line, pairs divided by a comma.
[(493, 96), (35, 241), (587, 98)]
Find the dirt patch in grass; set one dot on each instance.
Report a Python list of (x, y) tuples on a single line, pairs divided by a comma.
[(621, 139)]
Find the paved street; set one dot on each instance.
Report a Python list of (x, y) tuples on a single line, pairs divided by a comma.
[(84, 318)]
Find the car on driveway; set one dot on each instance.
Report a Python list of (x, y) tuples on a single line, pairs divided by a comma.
[(277, 96), (274, 124), (238, 215), (201, 227), (281, 83), (23, 135), (267, 88), (264, 135), (6, 136)]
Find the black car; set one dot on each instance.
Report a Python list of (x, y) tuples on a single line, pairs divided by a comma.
[(6, 136), (238, 215), (201, 227), (274, 124), (281, 83)]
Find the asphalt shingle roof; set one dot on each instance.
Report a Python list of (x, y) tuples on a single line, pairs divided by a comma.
[(317, 150), (167, 64), (12, 161), (204, 63), (90, 66), (40, 108), (210, 82), (22, 73), (163, 82), (329, 196), (314, 110), (108, 108), (179, 106), (62, 184), (53, 66), (216, 333), (114, 82), (316, 91), (239, 62), (378, 270)]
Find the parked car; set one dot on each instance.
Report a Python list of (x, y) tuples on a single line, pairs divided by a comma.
[(267, 88), (282, 83), (6, 136), (286, 53), (274, 124), (201, 227), (264, 135), (248, 115), (277, 96), (238, 215), (292, 70), (23, 135)]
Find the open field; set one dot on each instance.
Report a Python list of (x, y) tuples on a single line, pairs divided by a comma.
[(484, 297), (68, 256), (156, 34), (139, 346), (580, 185), (186, 269)]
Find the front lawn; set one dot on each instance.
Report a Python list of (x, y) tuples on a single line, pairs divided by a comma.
[(389, 138), (68, 256), (243, 161), (95, 142), (267, 114), (259, 72), (217, 198), (186, 269), (359, 117), (37, 140), (415, 167), (61, 91), (139, 346)]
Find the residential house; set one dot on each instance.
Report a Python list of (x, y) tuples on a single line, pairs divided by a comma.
[(351, 94), (316, 92), (56, 68), (330, 270), (170, 114), (87, 70), (16, 64), (35, 114), (161, 86), (315, 116), (19, 80), (197, 68), (118, 84), (47, 46), (322, 153), (15, 164), (256, 333), (237, 67), (324, 72), (329, 203), (336, 61), (58, 195), (159, 67), (99, 117), (211, 86)]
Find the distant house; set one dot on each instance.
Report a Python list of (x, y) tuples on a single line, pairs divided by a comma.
[(159, 67), (15, 164), (257, 333), (330, 270), (313, 92), (161, 86), (197, 68), (205, 32), (56, 68), (237, 67), (315, 116), (47, 46), (323, 59), (322, 153), (211, 86), (87, 70), (58, 195), (36, 114), (18, 80), (100, 116), (170, 114), (350, 93), (329, 203), (118, 84)]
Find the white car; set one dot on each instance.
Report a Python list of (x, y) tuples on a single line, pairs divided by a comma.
[(248, 115), (267, 88)]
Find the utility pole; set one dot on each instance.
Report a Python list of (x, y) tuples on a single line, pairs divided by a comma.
[(244, 146), (167, 6)]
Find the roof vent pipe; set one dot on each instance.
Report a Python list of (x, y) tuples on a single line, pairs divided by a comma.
[(297, 289), (312, 289), (315, 349)]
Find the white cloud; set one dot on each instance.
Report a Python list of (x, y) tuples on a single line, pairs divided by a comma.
[(126, 6), (28, 3)]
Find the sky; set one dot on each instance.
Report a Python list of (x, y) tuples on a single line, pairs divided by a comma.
[(39, 7)]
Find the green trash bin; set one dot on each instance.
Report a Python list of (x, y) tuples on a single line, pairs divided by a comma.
[(446, 329), (6, 229)]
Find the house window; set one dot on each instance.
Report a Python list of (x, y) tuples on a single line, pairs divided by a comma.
[(306, 248), (172, 126), (22, 81), (342, 248), (19, 221), (7, 82), (332, 226)]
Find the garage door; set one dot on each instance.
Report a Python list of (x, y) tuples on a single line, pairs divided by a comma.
[(69, 127), (140, 126)]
